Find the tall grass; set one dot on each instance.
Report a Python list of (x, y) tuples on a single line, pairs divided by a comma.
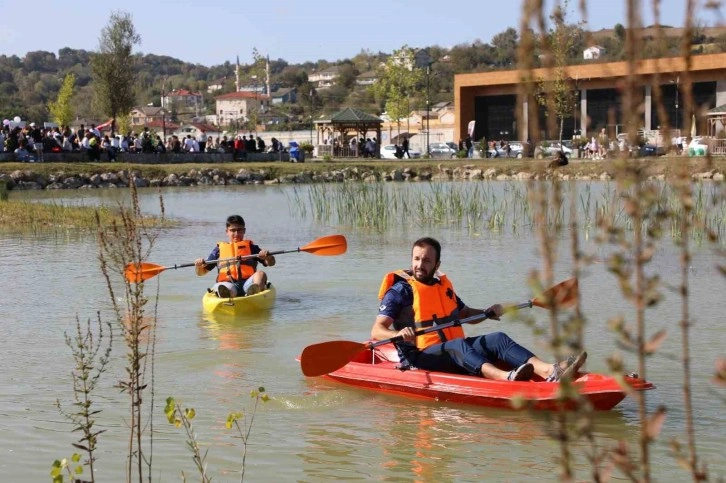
[(478, 205)]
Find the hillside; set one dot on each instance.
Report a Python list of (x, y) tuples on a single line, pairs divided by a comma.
[(29, 83)]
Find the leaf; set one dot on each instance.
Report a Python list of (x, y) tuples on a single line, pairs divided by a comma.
[(79, 470), (265, 398), (79, 446), (655, 342), (57, 464), (190, 413), (177, 422), (655, 423)]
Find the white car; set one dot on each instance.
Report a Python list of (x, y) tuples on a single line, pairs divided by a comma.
[(388, 151)]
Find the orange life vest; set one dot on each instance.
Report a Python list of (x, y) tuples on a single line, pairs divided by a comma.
[(432, 305), (235, 270)]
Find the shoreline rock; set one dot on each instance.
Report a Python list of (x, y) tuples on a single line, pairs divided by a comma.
[(27, 179)]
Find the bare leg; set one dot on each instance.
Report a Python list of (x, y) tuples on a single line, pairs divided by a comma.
[(489, 371)]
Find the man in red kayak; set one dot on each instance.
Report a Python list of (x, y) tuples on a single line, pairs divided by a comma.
[(236, 277), (421, 297)]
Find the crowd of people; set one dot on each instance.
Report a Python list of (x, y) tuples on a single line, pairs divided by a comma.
[(30, 141)]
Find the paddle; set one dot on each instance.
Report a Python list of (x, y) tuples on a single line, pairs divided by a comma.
[(327, 357), (324, 246)]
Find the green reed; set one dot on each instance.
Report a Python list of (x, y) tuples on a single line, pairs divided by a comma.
[(475, 205)]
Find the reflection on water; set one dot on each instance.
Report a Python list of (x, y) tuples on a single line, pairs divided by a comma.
[(314, 429)]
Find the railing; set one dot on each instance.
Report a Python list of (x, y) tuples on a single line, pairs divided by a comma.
[(339, 151), (718, 147)]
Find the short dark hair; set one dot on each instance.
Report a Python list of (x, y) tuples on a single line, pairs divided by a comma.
[(428, 241), (235, 220)]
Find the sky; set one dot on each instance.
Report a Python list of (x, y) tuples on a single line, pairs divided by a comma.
[(212, 32)]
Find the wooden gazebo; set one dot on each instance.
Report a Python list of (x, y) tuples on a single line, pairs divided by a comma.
[(339, 129)]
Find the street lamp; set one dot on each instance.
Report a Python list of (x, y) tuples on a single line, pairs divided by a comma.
[(311, 116), (423, 59), (678, 81)]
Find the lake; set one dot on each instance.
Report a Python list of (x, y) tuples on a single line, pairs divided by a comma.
[(313, 429)]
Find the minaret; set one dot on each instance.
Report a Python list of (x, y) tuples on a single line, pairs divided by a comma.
[(267, 72), (236, 76)]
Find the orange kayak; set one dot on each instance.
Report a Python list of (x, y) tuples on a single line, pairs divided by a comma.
[(378, 370)]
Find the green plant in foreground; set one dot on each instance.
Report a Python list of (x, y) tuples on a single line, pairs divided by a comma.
[(179, 416), (244, 430), (91, 359), (59, 466)]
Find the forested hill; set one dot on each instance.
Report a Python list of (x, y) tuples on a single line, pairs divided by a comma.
[(29, 83)]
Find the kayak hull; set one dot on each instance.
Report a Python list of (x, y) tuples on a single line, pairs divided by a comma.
[(378, 371), (234, 306)]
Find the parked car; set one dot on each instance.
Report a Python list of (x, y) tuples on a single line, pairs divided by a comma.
[(516, 149), (552, 149), (441, 150), (388, 151)]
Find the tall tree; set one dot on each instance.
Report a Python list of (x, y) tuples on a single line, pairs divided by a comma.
[(258, 72), (61, 110), (113, 69), (557, 94), (397, 82)]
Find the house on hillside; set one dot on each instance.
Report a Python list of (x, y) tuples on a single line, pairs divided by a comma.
[(593, 52), (440, 106), (284, 95), (216, 85), (194, 129), (183, 102), (236, 106), (162, 127), (324, 78), (366, 78), (141, 116)]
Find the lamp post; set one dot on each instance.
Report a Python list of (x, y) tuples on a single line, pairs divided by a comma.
[(428, 76), (678, 81), (423, 59), (163, 109), (311, 116)]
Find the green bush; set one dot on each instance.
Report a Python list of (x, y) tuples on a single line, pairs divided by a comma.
[(327, 157), (307, 147)]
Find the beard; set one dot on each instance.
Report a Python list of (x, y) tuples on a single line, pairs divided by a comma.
[(423, 276)]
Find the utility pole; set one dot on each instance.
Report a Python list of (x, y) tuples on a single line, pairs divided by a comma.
[(163, 110), (311, 116)]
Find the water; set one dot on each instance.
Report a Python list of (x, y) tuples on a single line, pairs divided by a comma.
[(313, 429)]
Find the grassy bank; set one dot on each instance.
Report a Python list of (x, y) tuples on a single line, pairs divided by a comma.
[(666, 166)]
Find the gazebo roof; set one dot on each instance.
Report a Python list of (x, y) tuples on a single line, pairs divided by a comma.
[(720, 110), (351, 115)]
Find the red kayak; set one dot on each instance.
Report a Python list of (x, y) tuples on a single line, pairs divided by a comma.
[(378, 370)]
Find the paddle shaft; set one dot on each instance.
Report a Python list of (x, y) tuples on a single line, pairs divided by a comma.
[(240, 258), (453, 323)]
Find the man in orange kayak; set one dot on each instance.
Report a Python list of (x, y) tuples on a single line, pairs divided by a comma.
[(236, 277), (422, 297)]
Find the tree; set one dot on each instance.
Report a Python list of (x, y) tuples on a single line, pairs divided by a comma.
[(258, 73), (113, 67), (61, 110), (557, 94), (505, 47), (396, 83)]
